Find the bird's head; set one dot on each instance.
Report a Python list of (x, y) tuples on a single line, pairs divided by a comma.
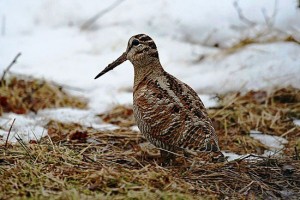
[(141, 51)]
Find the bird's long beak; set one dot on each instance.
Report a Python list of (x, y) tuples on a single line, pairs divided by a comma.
[(114, 64)]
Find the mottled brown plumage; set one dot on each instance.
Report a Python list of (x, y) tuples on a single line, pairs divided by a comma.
[(168, 112)]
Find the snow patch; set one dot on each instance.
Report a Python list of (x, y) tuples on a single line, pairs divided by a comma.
[(135, 128), (297, 122), (274, 142), (209, 101), (70, 115), (231, 156), (25, 128)]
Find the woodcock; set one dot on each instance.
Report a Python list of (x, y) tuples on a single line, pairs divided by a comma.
[(168, 112)]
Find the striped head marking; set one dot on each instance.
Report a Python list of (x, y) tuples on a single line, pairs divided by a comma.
[(141, 51), (141, 48)]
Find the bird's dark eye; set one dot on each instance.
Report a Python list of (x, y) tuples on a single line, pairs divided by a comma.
[(135, 42)]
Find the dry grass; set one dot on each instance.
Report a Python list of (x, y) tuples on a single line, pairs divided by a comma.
[(22, 96), (109, 165), (271, 113), (119, 115), (262, 37), (114, 165), (80, 162)]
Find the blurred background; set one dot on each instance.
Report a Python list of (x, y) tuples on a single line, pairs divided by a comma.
[(214, 46)]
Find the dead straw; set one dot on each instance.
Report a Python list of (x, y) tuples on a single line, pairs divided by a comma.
[(9, 131)]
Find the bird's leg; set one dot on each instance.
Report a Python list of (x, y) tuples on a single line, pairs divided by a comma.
[(167, 157)]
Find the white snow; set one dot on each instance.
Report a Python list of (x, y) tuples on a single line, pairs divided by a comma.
[(53, 47), (297, 122), (69, 115), (24, 127), (231, 156), (135, 128), (275, 143)]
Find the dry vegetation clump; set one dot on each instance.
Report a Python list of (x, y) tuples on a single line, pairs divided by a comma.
[(62, 132), (260, 38), (114, 165), (119, 115), (21, 96), (270, 113)]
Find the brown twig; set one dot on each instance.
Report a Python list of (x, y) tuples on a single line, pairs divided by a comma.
[(86, 25), (8, 67), (23, 145), (9, 132)]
